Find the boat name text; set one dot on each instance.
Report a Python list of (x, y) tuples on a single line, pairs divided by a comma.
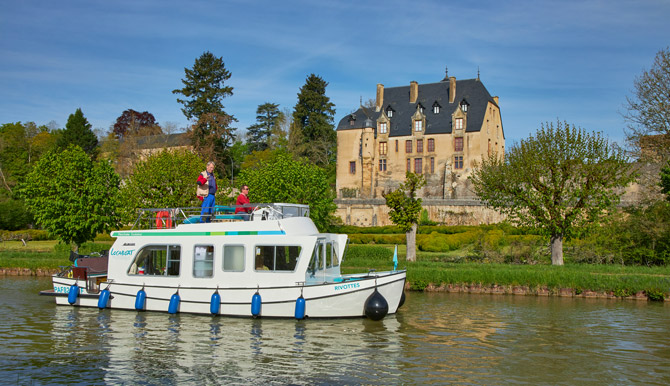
[(347, 286), (65, 290)]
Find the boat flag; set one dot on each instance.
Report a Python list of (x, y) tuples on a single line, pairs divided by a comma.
[(395, 257)]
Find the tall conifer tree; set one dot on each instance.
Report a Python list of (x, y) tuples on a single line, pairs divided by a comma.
[(313, 117), (78, 132), (268, 118), (204, 86)]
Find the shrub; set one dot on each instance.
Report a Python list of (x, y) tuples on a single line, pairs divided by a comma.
[(377, 239), (437, 242), (528, 249), (26, 234), (655, 294), (84, 249), (369, 252), (424, 219), (104, 237), (351, 230), (428, 229), (14, 216)]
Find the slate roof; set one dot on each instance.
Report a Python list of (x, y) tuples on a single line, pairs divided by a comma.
[(472, 90)]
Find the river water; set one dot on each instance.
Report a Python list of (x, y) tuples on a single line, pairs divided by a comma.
[(434, 339)]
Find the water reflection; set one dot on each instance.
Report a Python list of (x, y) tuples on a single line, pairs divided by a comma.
[(435, 338)]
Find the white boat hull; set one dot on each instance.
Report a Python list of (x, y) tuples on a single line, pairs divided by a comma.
[(329, 300)]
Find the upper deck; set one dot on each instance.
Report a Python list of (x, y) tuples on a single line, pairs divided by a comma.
[(171, 218)]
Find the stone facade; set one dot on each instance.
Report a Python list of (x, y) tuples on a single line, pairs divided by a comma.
[(440, 130)]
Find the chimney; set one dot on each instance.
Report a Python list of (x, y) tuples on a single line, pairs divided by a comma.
[(452, 89), (380, 97), (495, 99), (413, 91)]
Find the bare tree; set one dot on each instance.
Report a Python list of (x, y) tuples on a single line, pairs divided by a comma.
[(648, 111)]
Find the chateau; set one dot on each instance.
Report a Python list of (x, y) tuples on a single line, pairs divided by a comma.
[(438, 129)]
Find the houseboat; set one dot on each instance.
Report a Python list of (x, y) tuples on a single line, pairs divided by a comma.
[(272, 262)]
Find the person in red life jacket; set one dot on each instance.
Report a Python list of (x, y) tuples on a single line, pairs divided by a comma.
[(205, 190), (243, 199)]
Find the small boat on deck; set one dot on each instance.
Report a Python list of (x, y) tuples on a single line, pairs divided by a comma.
[(270, 263)]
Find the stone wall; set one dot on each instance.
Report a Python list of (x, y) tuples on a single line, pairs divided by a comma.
[(374, 212)]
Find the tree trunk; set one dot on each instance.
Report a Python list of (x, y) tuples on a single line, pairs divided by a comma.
[(557, 249), (411, 244)]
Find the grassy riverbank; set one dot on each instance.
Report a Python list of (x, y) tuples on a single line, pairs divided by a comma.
[(43, 255), (432, 271)]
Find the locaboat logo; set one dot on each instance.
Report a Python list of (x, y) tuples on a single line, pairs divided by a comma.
[(129, 252)]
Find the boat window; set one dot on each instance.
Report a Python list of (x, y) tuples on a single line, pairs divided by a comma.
[(329, 255), (203, 261), (276, 257), (315, 262), (233, 258), (157, 260), (335, 259)]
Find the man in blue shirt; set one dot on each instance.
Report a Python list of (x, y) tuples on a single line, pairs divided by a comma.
[(206, 190)]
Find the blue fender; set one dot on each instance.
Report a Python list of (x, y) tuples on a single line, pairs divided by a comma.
[(103, 299), (300, 308), (215, 303), (256, 305), (173, 308), (73, 294), (140, 300)]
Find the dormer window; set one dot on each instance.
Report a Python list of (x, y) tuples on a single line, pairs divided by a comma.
[(459, 123), (436, 109), (389, 112), (352, 120), (464, 106), (420, 108), (383, 128), (418, 125)]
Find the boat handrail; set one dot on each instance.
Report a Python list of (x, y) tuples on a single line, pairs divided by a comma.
[(169, 218)]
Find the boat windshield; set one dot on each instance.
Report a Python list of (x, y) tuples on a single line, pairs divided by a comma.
[(324, 256)]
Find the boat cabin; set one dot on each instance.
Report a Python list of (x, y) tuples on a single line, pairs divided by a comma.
[(279, 245)]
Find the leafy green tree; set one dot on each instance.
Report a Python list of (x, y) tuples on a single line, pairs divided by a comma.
[(238, 151), (163, 180), (314, 135), (78, 132), (284, 179), (648, 111), (72, 196), (268, 118), (14, 216), (20, 146), (405, 209), (643, 236), (665, 181), (558, 181), (204, 86)]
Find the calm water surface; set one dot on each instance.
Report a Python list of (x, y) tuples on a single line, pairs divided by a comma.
[(434, 339)]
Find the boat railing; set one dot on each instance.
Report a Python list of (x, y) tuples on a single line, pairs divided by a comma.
[(168, 218)]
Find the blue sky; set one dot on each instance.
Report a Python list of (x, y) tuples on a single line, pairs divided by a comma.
[(570, 60)]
